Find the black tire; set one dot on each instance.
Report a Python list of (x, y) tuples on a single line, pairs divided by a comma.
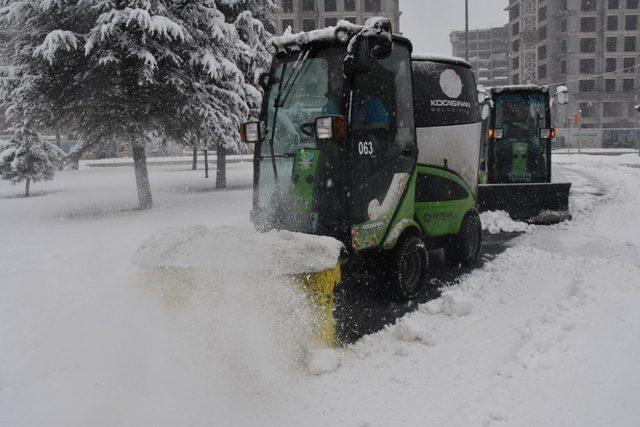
[(464, 247), (409, 267)]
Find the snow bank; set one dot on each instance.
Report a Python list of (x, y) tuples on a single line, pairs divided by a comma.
[(323, 361), (499, 221), (239, 250)]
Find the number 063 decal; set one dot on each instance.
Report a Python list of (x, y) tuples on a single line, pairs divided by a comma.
[(365, 148)]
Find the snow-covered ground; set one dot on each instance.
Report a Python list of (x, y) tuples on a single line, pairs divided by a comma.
[(546, 333)]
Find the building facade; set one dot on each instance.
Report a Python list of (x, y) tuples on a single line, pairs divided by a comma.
[(488, 54), (591, 46), (307, 15)]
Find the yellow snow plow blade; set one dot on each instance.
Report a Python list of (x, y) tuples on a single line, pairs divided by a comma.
[(174, 262), (320, 289)]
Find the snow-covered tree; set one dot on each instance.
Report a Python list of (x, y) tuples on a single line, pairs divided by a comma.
[(25, 157), (127, 69)]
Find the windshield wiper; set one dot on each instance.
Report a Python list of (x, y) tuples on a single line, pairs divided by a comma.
[(293, 77), (280, 100)]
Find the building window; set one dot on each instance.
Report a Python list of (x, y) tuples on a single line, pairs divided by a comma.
[(287, 6), (628, 64), (515, 29), (516, 79), (587, 66), (586, 109), (351, 19), (542, 72), (631, 22), (612, 23), (612, 44), (588, 24), (563, 67), (630, 44), (372, 5), (611, 109), (514, 12), (588, 5), (515, 63), (628, 85), (563, 26), (542, 13), (613, 4), (611, 65), (542, 33), (308, 24), (330, 5), (515, 46), (610, 85), (587, 45), (632, 4), (308, 5), (563, 46), (349, 5), (286, 23), (587, 86), (542, 52), (330, 22)]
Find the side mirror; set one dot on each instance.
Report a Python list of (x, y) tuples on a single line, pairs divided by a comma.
[(547, 133), (379, 46), (562, 95), (252, 132), (378, 36), (266, 80), (483, 94), (485, 112)]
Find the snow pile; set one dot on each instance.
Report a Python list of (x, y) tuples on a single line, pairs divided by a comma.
[(499, 221), (323, 361), (412, 330), (236, 249)]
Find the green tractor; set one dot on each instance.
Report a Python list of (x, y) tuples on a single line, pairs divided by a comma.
[(515, 160), (360, 141)]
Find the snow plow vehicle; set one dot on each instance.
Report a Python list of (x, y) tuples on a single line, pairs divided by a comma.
[(515, 166), (360, 141)]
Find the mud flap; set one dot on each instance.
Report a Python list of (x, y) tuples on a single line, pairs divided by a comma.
[(320, 289), (541, 203)]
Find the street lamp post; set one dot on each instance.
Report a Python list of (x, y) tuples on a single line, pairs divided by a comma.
[(466, 28)]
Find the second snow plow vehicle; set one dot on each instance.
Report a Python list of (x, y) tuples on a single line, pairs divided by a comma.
[(516, 157), (341, 152)]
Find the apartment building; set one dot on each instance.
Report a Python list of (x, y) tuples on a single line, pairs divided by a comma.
[(592, 46), (307, 15), (488, 53)]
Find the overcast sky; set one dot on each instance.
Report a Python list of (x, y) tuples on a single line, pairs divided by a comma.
[(428, 22)]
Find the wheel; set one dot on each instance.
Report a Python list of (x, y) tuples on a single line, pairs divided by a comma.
[(464, 247), (409, 268)]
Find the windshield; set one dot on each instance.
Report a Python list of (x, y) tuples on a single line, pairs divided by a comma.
[(521, 112), (521, 155), (307, 85)]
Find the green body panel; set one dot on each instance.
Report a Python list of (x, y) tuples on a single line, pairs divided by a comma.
[(305, 167), (370, 234), (520, 159), (433, 219), (405, 216), (443, 218)]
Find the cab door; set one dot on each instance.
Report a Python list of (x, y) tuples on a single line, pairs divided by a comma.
[(382, 146)]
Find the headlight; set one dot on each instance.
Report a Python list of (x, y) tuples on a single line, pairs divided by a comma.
[(251, 132), (331, 127)]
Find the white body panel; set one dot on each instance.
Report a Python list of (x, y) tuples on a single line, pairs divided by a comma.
[(459, 145)]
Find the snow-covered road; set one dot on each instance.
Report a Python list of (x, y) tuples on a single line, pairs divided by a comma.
[(545, 333)]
